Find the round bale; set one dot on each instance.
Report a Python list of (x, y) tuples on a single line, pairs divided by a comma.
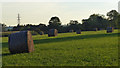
[(41, 33), (21, 42), (78, 32), (110, 29), (71, 31), (52, 32), (95, 29)]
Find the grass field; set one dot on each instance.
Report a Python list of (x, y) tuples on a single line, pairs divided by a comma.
[(90, 48), (6, 34)]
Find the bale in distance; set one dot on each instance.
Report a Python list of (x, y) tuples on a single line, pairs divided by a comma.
[(78, 32), (34, 33), (52, 32), (41, 33), (110, 29), (21, 42), (71, 31), (95, 29)]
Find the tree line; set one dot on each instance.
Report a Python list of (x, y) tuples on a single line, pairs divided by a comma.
[(94, 21)]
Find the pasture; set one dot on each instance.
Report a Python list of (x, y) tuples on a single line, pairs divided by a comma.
[(91, 48)]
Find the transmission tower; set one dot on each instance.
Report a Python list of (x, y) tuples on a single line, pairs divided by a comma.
[(18, 18)]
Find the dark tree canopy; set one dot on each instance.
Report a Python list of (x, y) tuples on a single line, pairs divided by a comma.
[(95, 21), (3, 27), (54, 20), (54, 23), (112, 14), (112, 17), (74, 25)]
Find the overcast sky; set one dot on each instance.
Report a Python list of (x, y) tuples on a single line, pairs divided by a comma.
[(41, 12)]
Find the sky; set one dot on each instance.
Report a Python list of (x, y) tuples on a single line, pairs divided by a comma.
[(41, 12)]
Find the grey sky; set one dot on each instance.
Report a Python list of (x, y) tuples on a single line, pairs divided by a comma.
[(41, 12)]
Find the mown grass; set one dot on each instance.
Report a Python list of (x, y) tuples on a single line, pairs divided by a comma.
[(90, 48)]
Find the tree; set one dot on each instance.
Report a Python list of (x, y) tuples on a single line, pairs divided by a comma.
[(19, 28), (112, 17), (42, 27), (3, 27), (54, 23), (95, 21), (74, 25), (117, 21)]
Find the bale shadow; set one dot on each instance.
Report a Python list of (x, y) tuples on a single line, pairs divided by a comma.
[(4, 45), (7, 54), (50, 40)]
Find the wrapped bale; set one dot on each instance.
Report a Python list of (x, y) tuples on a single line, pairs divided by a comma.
[(78, 32), (41, 33), (52, 32), (95, 29), (21, 42), (110, 29), (71, 31)]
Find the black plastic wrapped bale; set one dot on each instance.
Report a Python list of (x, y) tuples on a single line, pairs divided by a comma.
[(21, 42), (95, 29), (52, 32), (71, 30), (110, 29), (41, 33), (78, 32)]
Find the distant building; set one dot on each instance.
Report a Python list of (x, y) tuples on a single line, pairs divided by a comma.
[(8, 28)]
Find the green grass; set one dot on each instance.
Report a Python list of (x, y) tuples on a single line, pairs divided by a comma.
[(67, 49)]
